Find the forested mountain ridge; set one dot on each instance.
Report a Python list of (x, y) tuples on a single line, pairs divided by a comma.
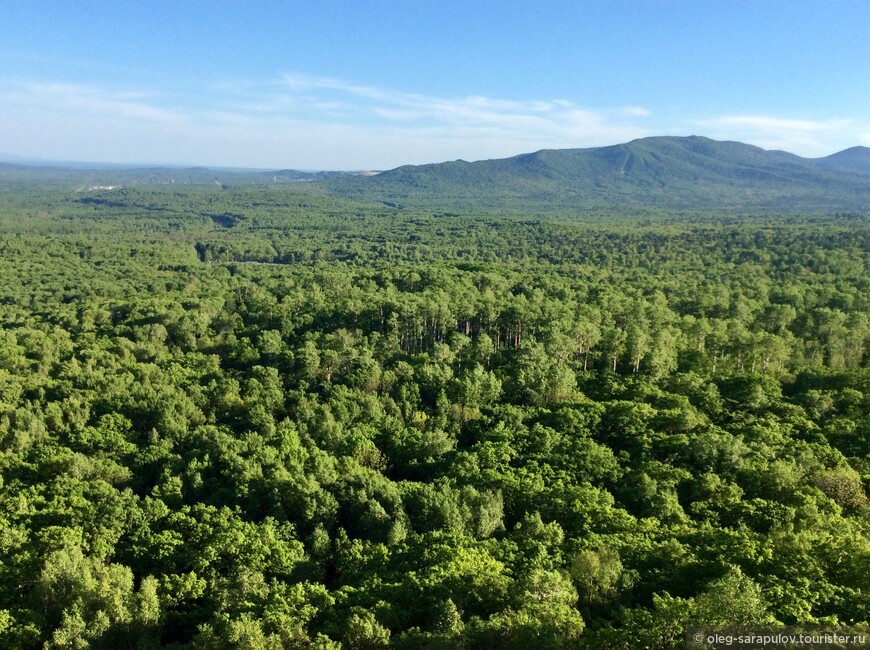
[(658, 173), (662, 172)]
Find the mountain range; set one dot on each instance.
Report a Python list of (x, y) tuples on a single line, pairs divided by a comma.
[(672, 173), (693, 173)]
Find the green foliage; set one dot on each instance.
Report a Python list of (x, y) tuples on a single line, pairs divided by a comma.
[(262, 417)]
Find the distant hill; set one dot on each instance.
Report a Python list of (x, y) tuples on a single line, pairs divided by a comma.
[(82, 175), (856, 160), (693, 173)]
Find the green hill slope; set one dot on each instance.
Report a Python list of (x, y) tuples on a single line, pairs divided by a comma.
[(664, 172), (855, 160)]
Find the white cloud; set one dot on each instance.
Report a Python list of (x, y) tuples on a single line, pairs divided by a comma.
[(517, 124), (801, 136), (297, 120), (764, 123), (86, 99), (309, 82), (636, 111)]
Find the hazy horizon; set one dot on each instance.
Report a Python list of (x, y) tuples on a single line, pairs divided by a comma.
[(95, 164)]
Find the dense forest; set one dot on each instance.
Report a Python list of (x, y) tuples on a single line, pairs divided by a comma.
[(264, 417)]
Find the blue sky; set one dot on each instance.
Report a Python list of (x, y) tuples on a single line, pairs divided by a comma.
[(373, 84)]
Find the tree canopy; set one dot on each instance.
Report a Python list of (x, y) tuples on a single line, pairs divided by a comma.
[(262, 417)]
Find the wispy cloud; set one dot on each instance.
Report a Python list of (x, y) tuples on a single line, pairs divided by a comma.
[(636, 111), (295, 120), (804, 136), (515, 123), (86, 99), (308, 83), (761, 122)]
